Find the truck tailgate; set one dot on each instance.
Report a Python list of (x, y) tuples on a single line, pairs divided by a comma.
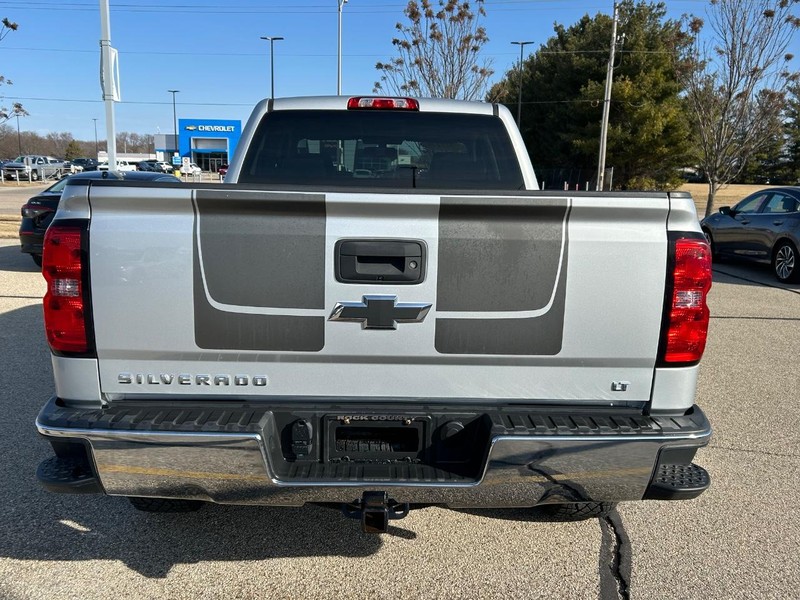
[(235, 292)]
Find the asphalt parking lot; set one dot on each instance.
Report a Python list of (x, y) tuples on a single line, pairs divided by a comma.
[(13, 195), (741, 539)]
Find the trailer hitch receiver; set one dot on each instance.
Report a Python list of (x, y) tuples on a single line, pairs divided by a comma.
[(375, 509)]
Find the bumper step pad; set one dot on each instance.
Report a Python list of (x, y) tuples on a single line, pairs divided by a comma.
[(67, 475), (678, 482)]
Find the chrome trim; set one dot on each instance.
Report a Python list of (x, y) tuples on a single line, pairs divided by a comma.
[(236, 468), (158, 437)]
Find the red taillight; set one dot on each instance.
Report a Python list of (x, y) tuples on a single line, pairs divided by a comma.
[(32, 211), (687, 329), (65, 300), (382, 103)]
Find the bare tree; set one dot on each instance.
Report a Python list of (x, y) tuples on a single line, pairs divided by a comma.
[(140, 143), (439, 52), (54, 143), (16, 108), (736, 81), (136, 143)]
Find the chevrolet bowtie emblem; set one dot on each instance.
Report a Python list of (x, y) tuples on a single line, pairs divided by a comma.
[(380, 312)]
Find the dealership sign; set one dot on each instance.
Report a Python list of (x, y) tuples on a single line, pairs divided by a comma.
[(208, 136), (211, 128)]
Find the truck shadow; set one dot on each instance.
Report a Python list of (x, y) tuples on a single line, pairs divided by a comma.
[(74, 528)]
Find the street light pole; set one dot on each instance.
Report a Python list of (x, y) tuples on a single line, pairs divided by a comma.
[(109, 82), (601, 160), (519, 94), (96, 145), (174, 121), (339, 53), (271, 40), (19, 138)]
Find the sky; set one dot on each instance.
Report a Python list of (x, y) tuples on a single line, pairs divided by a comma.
[(212, 53)]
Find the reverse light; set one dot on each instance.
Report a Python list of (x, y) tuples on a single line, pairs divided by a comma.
[(66, 301), (382, 103), (684, 338)]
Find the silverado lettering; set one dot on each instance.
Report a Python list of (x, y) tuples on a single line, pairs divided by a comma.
[(186, 379)]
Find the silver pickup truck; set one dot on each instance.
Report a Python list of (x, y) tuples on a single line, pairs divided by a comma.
[(378, 310), (34, 167)]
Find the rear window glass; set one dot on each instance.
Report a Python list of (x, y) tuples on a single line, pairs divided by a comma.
[(382, 149)]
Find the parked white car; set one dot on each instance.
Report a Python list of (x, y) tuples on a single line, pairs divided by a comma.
[(192, 169), (122, 165)]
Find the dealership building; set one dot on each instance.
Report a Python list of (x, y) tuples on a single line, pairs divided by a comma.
[(208, 142)]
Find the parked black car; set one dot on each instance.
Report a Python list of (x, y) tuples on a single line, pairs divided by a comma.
[(148, 166), (38, 212), (87, 164), (764, 227), (154, 166)]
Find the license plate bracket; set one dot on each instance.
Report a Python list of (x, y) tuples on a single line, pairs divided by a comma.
[(375, 438)]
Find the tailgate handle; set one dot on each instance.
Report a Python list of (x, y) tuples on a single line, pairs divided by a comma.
[(380, 261)]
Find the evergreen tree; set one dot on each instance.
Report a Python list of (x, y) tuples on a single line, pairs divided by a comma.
[(563, 85), (791, 165), (73, 150)]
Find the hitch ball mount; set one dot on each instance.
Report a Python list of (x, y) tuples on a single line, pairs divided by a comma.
[(375, 509)]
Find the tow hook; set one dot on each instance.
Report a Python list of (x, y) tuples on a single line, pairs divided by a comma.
[(375, 509)]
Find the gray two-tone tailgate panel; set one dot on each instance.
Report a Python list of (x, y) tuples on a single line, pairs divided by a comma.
[(502, 266), (259, 252)]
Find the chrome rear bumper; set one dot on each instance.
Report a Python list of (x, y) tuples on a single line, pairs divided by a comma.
[(243, 464)]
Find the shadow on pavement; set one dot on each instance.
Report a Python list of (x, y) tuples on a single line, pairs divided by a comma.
[(11, 259), (749, 274), (530, 515), (76, 528)]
